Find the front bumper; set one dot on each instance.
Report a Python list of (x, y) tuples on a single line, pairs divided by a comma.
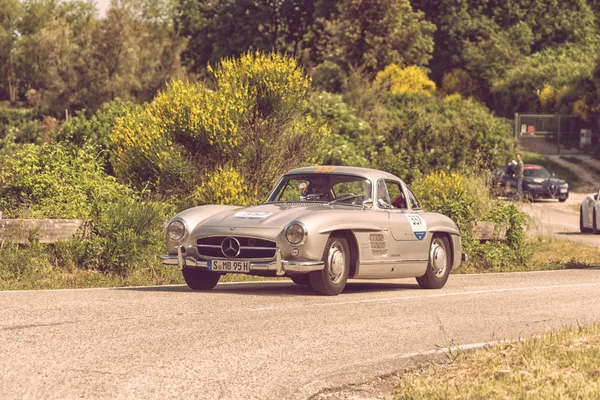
[(545, 193), (278, 266)]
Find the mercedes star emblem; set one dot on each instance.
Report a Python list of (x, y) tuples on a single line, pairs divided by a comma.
[(230, 247)]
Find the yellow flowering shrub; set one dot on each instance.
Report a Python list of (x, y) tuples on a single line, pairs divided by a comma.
[(223, 186), (251, 114), (411, 80)]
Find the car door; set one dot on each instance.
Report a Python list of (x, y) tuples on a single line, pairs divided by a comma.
[(407, 225)]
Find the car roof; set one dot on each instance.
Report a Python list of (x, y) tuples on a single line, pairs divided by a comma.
[(368, 173)]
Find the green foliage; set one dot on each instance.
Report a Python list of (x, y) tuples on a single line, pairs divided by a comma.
[(19, 262), (426, 134), (328, 76), (344, 145), (126, 235), (374, 34), (54, 181), (466, 200)]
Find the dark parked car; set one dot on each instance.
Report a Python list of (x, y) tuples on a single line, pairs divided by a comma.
[(538, 183)]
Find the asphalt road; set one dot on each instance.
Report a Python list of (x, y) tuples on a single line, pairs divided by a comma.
[(266, 340), (560, 220)]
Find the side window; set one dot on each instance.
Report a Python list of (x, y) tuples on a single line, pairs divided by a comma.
[(383, 198), (390, 195), (396, 195), (414, 203)]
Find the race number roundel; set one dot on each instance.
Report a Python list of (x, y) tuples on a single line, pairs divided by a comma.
[(418, 225)]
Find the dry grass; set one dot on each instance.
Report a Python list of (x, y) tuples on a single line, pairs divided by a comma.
[(563, 365), (550, 253)]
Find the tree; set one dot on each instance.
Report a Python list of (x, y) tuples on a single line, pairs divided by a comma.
[(136, 49), (229, 28), (10, 11), (376, 33)]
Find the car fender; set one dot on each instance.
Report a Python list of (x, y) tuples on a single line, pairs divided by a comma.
[(597, 209), (192, 218)]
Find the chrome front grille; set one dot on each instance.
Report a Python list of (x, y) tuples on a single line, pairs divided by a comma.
[(227, 247)]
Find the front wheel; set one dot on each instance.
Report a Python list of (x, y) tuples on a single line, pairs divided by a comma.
[(331, 280), (563, 199), (440, 263), (301, 280), (200, 280)]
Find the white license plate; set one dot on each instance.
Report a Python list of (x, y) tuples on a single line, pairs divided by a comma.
[(563, 190), (229, 266)]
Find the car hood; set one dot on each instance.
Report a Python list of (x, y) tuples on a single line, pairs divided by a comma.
[(265, 215)]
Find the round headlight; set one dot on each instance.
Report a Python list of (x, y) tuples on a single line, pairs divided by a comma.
[(176, 231), (294, 233)]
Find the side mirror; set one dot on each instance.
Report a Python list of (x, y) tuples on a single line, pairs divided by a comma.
[(367, 203), (553, 174)]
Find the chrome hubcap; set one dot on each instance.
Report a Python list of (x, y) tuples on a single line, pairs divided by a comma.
[(437, 255), (337, 262)]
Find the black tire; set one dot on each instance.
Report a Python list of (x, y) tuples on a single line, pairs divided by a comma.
[(200, 280), (439, 265), (594, 227), (562, 200), (301, 280), (331, 280)]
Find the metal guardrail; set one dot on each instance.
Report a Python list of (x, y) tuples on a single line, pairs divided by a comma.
[(557, 133), (24, 231)]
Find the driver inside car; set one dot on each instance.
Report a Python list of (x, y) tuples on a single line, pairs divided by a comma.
[(316, 190)]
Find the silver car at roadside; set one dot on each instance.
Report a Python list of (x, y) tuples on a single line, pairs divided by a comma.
[(320, 226)]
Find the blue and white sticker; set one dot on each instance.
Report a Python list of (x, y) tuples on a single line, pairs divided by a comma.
[(418, 225), (252, 215)]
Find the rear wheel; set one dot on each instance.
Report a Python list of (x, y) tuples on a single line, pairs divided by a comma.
[(440, 262), (331, 280), (200, 280), (562, 200), (594, 227)]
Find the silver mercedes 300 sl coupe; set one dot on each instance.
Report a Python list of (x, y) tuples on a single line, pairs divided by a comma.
[(320, 226)]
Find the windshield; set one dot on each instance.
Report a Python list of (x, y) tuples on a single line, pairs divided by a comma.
[(343, 189), (536, 172)]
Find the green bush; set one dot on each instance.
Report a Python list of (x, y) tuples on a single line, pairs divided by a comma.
[(18, 262), (126, 235), (466, 200), (81, 130), (55, 181), (429, 134)]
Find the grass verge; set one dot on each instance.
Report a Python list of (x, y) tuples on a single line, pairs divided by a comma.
[(562, 365), (61, 278), (548, 254)]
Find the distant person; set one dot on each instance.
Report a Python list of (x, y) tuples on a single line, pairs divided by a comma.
[(519, 176)]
